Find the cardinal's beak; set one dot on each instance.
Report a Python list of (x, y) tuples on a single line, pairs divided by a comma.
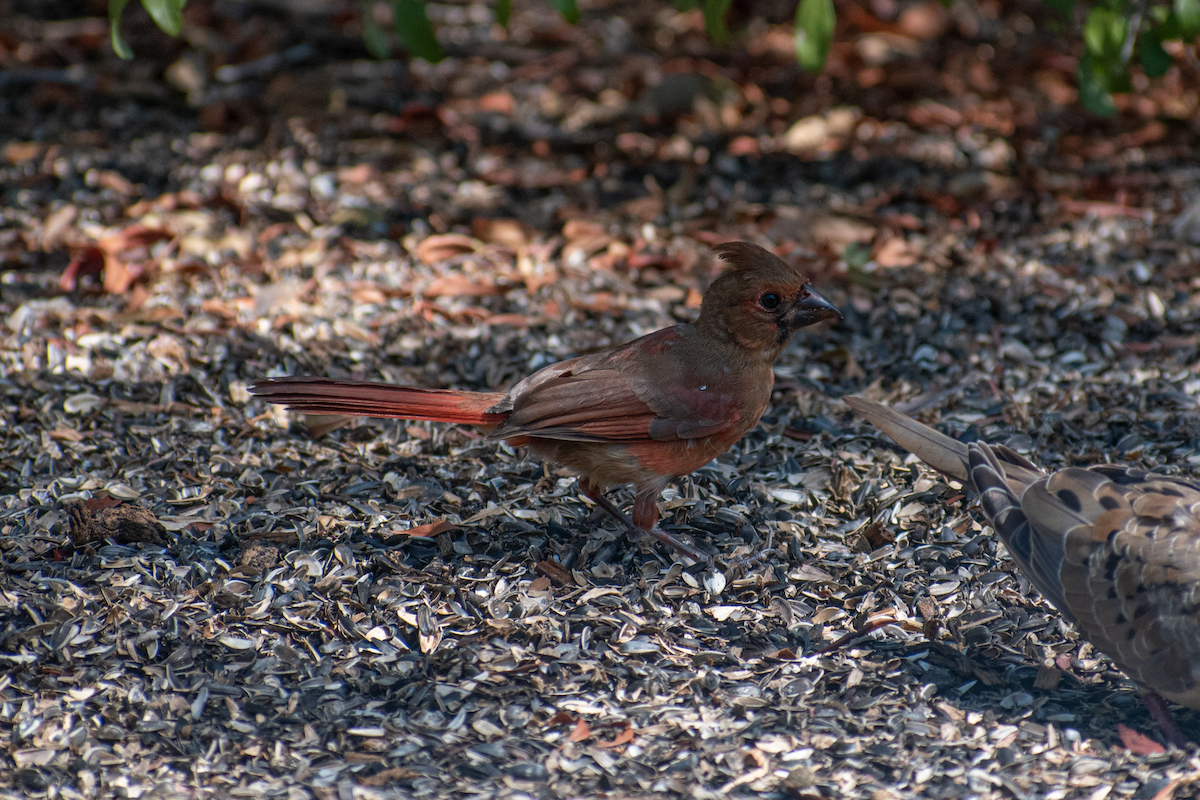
[(812, 307)]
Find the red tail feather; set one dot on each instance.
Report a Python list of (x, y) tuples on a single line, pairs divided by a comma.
[(359, 399)]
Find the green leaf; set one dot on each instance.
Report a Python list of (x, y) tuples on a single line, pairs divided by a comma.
[(686, 5), (714, 20), (415, 30), (1093, 88), (1064, 7), (374, 36), (115, 7), (857, 255), (814, 33), (1155, 60), (567, 9), (503, 12), (1104, 35), (1169, 28), (1188, 12), (167, 14)]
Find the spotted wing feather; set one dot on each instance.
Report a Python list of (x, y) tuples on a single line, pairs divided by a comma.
[(1118, 551), (1039, 557)]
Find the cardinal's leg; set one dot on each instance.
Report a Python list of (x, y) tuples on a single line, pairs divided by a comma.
[(645, 521), (645, 517)]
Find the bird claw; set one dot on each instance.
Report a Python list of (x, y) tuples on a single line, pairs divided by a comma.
[(656, 533), (676, 544), (740, 565)]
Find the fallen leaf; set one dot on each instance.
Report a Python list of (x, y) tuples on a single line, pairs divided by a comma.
[(429, 529), (581, 228), (1168, 791), (96, 503), (118, 277), (497, 103), (1137, 743), (656, 260), (577, 251), (598, 303), (507, 232), (218, 308), (136, 235), (624, 737), (66, 435), (20, 152), (896, 252), (820, 132), (580, 732), (837, 232), (443, 246), (359, 173), (743, 146), (516, 320), (560, 718), (108, 179), (56, 225), (124, 258), (461, 286), (925, 21), (170, 352)]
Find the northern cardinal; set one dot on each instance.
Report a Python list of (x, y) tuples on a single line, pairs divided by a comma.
[(1116, 550), (643, 413)]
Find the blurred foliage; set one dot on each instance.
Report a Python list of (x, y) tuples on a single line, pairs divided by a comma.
[(1116, 33)]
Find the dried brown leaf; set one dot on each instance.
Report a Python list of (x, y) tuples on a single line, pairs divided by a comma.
[(1138, 743), (441, 247)]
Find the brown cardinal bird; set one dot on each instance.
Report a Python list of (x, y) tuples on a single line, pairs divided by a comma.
[(643, 413), (1116, 550)]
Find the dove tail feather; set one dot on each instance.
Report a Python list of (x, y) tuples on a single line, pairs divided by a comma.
[(946, 455)]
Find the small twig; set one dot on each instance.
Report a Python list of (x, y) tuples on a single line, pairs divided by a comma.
[(862, 630), (1135, 22)]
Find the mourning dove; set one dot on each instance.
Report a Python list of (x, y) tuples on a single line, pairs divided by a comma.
[(1116, 550)]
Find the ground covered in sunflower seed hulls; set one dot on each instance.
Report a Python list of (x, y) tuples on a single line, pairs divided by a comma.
[(402, 610)]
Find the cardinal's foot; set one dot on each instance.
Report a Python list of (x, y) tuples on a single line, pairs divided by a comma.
[(675, 543), (652, 530), (742, 564)]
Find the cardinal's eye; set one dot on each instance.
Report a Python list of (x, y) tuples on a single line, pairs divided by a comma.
[(770, 301)]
